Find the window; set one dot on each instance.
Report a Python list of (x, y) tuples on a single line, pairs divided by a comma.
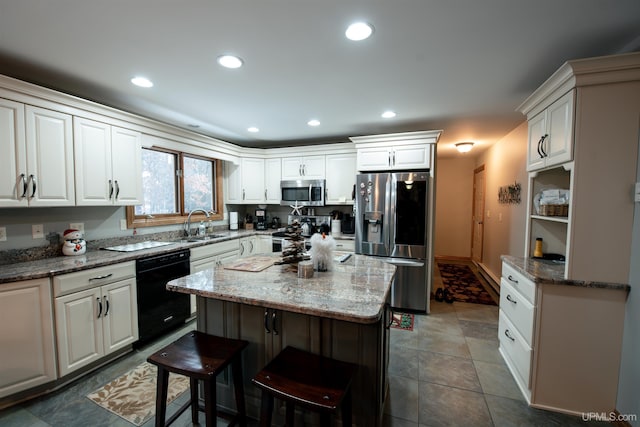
[(174, 184)]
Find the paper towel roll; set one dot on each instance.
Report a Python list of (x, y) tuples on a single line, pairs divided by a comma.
[(233, 220), (336, 229)]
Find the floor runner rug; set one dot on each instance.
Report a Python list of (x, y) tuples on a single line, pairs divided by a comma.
[(133, 395), (462, 283), (402, 321)]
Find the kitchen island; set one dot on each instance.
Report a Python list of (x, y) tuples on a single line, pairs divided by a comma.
[(342, 313)]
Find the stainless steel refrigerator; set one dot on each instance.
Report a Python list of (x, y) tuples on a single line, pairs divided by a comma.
[(394, 220)]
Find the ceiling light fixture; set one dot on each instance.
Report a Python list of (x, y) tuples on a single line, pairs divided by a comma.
[(142, 81), (230, 61), (464, 147), (388, 114), (253, 129), (313, 122), (359, 31)]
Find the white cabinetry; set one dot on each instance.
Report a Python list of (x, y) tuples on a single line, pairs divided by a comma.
[(272, 177), (96, 314), (245, 182), (551, 134), (309, 167), (562, 357), (26, 333), (599, 132), (108, 164), (341, 178), (37, 161), (399, 151)]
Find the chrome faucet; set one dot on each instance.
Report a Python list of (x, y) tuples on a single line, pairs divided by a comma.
[(188, 224)]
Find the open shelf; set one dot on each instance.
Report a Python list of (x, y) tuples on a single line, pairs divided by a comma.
[(562, 219)]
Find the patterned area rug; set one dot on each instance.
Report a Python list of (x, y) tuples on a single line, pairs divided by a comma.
[(402, 321), (463, 284), (133, 395)]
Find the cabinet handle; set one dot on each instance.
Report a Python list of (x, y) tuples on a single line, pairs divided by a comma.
[(512, 279), (300, 170), (25, 186), (541, 152), (243, 194), (511, 299), (393, 158), (106, 311), (117, 189), (389, 159), (110, 189), (266, 321), (265, 194), (506, 332), (99, 307), (250, 247), (33, 180), (273, 322), (106, 276)]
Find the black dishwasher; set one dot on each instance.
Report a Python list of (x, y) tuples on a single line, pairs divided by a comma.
[(160, 310)]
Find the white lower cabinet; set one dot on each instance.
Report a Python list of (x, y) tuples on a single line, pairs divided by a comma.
[(96, 314), (26, 333), (562, 342)]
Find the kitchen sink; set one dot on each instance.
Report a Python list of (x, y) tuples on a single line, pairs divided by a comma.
[(194, 239)]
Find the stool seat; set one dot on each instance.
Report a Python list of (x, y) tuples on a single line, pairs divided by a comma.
[(301, 378), (199, 356)]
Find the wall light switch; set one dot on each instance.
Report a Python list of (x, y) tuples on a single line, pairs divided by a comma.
[(77, 226), (37, 231), (3, 234)]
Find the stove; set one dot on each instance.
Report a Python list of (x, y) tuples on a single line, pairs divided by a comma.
[(131, 247)]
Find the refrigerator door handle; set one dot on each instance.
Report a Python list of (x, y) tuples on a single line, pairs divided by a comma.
[(404, 262)]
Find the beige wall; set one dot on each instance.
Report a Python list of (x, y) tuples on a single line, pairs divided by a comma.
[(504, 232), (454, 199)]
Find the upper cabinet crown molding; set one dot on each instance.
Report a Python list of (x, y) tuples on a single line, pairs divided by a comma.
[(420, 137)]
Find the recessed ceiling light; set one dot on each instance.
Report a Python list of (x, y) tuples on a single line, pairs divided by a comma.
[(388, 114), (253, 129), (142, 81), (230, 61), (313, 122), (359, 31)]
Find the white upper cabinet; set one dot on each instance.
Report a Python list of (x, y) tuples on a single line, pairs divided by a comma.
[(551, 134), (37, 161), (341, 177), (399, 151), (245, 183), (272, 177), (309, 167), (108, 164)]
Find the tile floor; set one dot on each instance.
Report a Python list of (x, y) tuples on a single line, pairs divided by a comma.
[(446, 372)]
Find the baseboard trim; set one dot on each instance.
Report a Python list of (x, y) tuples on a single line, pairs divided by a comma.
[(493, 281), (451, 258)]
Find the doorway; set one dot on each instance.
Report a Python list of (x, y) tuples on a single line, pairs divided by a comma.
[(477, 231)]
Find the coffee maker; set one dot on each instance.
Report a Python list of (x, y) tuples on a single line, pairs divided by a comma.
[(261, 219)]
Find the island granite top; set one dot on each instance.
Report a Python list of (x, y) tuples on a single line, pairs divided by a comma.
[(550, 272), (354, 291)]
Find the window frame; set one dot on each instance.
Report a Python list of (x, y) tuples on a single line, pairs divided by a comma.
[(153, 220)]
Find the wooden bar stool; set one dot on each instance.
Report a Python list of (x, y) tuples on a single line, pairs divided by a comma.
[(199, 356), (301, 378)]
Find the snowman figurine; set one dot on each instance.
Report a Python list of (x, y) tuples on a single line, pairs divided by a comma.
[(74, 243)]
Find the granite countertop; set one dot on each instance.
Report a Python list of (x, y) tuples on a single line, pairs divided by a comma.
[(551, 272), (354, 291)]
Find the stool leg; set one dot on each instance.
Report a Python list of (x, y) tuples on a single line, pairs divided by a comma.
[(194, 400), (266, 409), (210, 409), (238, 387), (161, 396), (290, 414), (346, 409)]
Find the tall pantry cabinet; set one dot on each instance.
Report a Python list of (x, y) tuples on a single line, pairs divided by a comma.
[(584, 126)]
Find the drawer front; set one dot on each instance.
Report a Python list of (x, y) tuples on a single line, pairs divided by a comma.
[(518, 309), (213, 249), (515, 346), (523, 285), (86, 279)]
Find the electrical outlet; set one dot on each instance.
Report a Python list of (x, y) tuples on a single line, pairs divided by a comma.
[(77, 226), (3, 234), (37, 231), (123, 224)]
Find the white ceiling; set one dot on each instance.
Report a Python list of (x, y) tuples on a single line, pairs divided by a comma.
[(462, 66)]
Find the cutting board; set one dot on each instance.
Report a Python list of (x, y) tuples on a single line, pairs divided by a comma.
[(254, 263)]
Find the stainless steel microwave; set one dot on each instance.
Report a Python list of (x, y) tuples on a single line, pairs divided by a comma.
[(303, 192)]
